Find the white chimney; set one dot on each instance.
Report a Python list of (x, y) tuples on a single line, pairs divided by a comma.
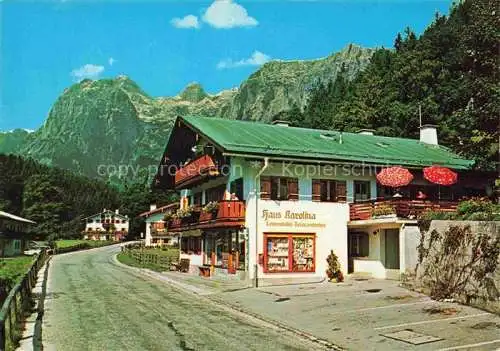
[(366, 131), (117, 211), (152, 207), (281, 123), (428, 134)]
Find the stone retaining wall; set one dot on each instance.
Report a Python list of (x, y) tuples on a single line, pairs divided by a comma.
[(459, 260)]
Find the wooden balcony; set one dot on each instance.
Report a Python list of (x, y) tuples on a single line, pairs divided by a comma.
[(159, 232), (401, 208), (229, 214), (195, 171)]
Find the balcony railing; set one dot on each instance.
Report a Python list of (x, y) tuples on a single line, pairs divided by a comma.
[(401, 208), (159, 232), (197, 169), (229, 213)]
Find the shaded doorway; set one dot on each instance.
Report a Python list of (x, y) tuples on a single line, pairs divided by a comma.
[(358, 246), (391, 249)]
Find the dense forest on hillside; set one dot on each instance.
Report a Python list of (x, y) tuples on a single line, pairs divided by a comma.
[(58, 199), (451, 71)]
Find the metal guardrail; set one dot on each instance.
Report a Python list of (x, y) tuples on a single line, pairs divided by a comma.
[(16, 304)]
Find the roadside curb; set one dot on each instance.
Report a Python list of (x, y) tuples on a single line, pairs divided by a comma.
[(32, 336), (230, 307), (37, 334)]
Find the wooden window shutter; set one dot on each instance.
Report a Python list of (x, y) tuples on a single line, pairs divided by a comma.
[(316, 190), (341, 190), (293, 189), (265, 188)]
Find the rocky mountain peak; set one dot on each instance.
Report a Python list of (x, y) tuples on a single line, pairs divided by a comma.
[(193, 92), (113, 121)]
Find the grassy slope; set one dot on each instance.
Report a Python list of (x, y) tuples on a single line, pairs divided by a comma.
[(13, 269)]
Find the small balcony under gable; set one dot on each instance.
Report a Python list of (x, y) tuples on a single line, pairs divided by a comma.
[(196, 171)]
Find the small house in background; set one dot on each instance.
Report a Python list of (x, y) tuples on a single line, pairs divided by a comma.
[(106, 225), (13, 234), (156, 229)]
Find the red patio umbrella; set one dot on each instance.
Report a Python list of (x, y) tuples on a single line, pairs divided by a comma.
[(394, 177), (440, 175)]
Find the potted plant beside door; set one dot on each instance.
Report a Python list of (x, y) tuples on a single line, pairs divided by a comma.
[(333, 272)]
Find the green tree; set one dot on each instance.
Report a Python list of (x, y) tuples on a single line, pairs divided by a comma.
[(451, 71), (42, 203)]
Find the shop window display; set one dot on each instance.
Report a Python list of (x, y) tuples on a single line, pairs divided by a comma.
[(277, 254), (303, 254), (289, 253)]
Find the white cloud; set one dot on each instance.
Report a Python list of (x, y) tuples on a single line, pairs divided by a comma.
[(87, 71), (189, 21), (258, 58), (228, 14), (111, 61)]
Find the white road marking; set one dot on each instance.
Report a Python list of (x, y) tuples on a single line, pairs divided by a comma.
[(470, 345), (388, 306), (433, 321)]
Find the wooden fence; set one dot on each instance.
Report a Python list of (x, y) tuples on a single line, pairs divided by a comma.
[(144, 257), (17, 304)]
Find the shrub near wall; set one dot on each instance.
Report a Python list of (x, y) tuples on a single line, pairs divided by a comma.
[(460, 260)]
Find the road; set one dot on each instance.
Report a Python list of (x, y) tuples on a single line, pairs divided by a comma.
[(93, 303)]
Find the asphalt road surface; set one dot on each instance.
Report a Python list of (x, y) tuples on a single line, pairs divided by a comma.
[(94, 304)]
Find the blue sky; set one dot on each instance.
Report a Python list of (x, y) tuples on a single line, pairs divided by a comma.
[(47, 46)]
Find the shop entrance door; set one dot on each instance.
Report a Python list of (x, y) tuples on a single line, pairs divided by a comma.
[(392, 249)]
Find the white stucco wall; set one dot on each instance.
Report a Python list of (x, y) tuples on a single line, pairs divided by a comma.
[(329, 227), (411, 239), (334, 216), (98, 226), (374, 267), (374, 264), (196, 260), (149, 220)]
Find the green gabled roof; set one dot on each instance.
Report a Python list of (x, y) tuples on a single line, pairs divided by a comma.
[(253, 138)]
